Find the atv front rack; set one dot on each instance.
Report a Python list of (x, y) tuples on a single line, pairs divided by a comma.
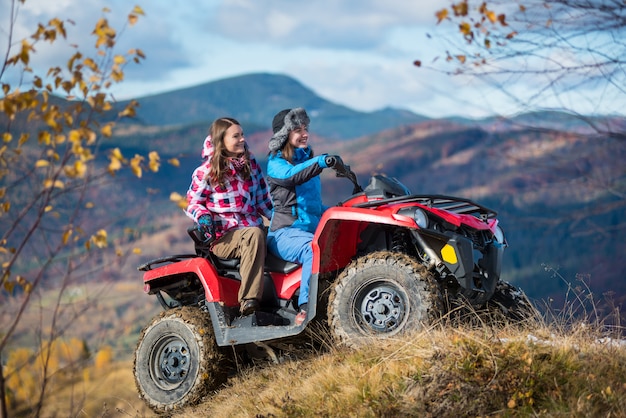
[(452, 204)]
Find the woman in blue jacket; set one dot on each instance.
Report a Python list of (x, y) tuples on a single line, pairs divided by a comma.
[(293, 178)]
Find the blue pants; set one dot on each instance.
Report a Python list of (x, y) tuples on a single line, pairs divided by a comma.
[(293, 244)]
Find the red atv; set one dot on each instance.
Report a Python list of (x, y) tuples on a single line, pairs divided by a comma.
[(392, 262)]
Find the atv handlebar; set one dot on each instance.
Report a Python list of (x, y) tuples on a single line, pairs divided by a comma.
[(343, 170)]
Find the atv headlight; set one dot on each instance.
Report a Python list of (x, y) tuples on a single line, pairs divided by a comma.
[(499, 235), (420, 218), (418, 215)]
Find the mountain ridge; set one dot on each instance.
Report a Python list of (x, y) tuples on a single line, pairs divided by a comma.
[(254, 99)]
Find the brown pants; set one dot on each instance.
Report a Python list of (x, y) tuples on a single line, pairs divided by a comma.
[(248, 245)]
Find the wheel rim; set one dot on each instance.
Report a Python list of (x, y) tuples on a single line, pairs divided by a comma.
[(170, 362), (380, 307)]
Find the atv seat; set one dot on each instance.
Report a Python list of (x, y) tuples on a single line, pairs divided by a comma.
[(272, 263)]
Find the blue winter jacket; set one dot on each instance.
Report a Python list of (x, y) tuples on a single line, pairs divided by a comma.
[(296, 190)]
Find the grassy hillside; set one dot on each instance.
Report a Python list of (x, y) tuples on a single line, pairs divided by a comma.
[(446, 371), (441, 372)]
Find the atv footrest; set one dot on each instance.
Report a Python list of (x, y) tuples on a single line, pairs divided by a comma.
[(259, 319)]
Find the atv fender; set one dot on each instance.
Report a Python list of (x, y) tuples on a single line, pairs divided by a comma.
[(337, 237), (167, 275)]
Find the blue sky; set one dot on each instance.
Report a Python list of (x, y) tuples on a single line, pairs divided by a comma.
[(358, 53)]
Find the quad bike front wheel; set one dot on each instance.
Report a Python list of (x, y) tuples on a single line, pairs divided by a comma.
[(177, 361), (381, 295), (512, 303)]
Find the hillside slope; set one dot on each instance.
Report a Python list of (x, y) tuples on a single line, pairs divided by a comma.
[(443, 372)]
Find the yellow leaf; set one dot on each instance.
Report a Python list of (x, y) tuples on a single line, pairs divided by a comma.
[(74, 135), (136, 250), (461, 8), (28, 287), (48, 184), (154, 159), (180, 201), (491, 16), (465, 28), (117, 76), (115, 165), (511, 404), (138, 10), (80, 169), (66, 236), (174, 161), (119, 59), (135, 165), (42, 163), (441, 15), (100, 239), (8, 286), (89, 205), (117, 154), (175, 197), (107, 130), (7, 137)]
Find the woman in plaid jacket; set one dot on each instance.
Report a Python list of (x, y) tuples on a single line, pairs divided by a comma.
[(228, 197)]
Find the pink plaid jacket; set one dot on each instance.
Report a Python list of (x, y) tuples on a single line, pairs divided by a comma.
[(240, 203)]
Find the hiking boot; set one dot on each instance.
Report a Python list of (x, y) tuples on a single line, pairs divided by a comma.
[(249, 306)]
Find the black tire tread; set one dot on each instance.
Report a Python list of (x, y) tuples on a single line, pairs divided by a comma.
[(211, 373)]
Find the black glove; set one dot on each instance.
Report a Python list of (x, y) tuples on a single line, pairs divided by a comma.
[(335, 162), (206, 228)]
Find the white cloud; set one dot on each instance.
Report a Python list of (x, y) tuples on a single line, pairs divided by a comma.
[(355, 53)]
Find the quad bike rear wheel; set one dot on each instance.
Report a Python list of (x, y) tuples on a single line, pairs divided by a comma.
[(381, 295), (177, 361)]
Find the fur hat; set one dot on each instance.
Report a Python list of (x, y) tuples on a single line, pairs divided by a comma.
[(284, 122)]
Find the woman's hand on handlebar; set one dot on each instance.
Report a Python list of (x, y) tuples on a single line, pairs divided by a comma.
[(335, 162)]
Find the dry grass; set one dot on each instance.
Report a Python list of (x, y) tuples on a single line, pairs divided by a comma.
[(571, 362), (109, 393), (442, 372)]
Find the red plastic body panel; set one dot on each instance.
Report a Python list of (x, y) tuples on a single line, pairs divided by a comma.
[(218, 288), (335, 241)]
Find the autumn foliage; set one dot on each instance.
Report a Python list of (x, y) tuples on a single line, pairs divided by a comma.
[(54, 126)]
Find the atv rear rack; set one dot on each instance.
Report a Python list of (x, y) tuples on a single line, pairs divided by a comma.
[(169, 259), (452, 204)]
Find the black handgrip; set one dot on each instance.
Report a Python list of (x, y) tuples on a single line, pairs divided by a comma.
[(330, 160)]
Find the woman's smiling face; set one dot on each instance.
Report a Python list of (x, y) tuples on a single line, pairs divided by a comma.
[(234, 141), (299, 137)]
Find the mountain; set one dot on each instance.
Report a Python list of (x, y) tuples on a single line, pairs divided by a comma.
[(254, 99)]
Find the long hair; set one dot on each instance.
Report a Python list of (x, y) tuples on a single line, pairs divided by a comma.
[(288, 150), (220, 162)]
